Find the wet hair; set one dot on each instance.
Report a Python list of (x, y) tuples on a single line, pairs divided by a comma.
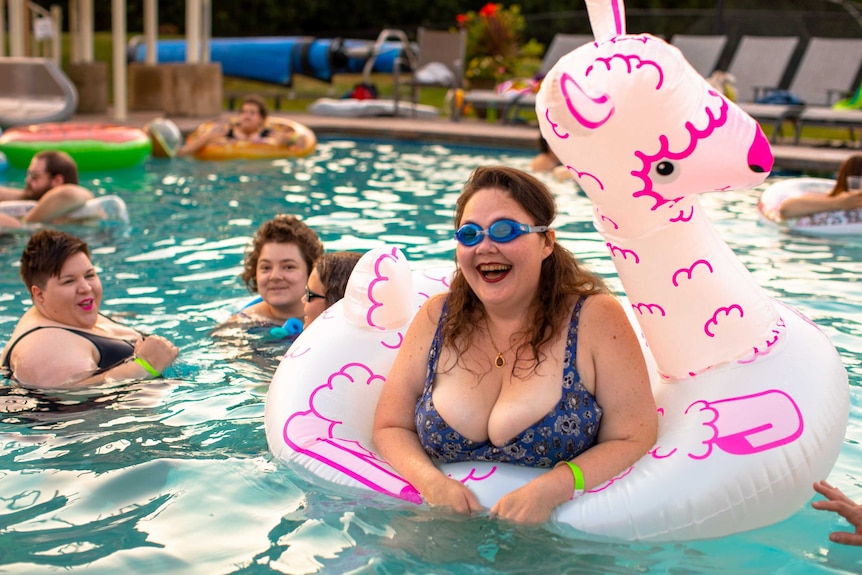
[(45, 254), (59, 163), (334, 270), (282, 229), (852, 166), (543, 145), (257, 101), (562, 279)]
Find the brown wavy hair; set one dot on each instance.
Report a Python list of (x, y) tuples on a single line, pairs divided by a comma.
[(282, 229), (562, 279), (852, 166), (334, 270)]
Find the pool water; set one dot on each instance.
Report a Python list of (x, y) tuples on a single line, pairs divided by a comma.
[(175, 476)]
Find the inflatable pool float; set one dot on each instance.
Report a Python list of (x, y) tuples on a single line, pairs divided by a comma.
[(373, 107), (743, 429), (165, 137), (838, 222), (234, 150), (108, 208), (94, 147)]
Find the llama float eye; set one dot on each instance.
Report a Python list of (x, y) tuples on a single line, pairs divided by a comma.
[(664, 172)]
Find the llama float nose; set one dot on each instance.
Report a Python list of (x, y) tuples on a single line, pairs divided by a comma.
[(760, 158)]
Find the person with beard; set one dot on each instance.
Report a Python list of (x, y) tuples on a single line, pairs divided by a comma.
[(52, 182)]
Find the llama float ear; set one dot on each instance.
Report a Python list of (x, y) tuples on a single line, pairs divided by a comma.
[(607, 19)]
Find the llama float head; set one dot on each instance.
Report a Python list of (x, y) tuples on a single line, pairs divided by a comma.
[(641, 131)]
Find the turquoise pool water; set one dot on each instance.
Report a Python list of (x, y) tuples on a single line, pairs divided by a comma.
[(176, 477)]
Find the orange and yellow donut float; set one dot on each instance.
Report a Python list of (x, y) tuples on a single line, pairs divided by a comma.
[(303, 142)]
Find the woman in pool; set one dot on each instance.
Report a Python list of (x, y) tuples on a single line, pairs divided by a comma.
[(277, 268), (63, 340), (327, 281), (845, 195), (527, 360)]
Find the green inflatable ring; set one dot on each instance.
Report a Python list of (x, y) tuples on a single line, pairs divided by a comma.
[(94, 147)]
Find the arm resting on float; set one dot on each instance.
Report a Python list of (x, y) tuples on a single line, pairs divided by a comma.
[(200, 141), (7, 193), (58, 202), (7, 221), (808, 204)]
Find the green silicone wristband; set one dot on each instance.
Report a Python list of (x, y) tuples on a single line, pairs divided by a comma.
[(578, 476), (146, 365)]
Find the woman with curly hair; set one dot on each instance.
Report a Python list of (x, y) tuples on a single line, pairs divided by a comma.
[(277, 267)]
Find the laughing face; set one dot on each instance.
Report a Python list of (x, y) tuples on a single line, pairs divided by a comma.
[(501, 273), (74, 297)]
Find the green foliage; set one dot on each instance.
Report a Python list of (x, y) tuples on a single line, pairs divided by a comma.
[(493, 41)]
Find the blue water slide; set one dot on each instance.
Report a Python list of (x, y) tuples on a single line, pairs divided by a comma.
[(276, 59), (264, 59)]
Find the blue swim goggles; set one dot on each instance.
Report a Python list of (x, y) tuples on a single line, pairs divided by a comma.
[(501, 231)]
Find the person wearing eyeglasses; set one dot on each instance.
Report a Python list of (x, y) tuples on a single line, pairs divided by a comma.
[(528, 360), (327, 282), (277, 267), (52, 181)]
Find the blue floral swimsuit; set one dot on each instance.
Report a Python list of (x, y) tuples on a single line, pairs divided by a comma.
[(568, 429)]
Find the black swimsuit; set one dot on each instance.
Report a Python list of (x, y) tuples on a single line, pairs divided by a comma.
[(112, 351), (265, 133)]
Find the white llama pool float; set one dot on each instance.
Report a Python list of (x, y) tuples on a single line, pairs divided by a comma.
[(752, 397)]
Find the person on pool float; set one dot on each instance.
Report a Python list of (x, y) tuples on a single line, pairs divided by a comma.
[(251, 127), (277, 268), (52, 181), (63, 340), (845, 507), (845, 195), (528, 359), (327, 282)]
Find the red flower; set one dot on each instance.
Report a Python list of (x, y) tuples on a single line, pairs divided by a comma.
[(462, 19), (488, 10)]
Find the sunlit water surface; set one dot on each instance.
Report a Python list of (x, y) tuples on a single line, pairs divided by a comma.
[(175, 476)]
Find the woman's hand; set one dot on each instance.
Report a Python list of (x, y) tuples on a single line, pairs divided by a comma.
[(851, 200), (535, 502), (157, 351), (843, 506), (453, 494)]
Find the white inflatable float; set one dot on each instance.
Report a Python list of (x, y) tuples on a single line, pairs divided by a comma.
[(834, 223), (752, 397), (370, 108), (109, 208)]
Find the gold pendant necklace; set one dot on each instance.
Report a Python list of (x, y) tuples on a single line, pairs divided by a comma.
[(499, 361)]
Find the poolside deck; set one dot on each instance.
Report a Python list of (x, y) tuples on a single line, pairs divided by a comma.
[(803, 158)]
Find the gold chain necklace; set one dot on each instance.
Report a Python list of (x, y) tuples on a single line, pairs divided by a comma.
[(499, 361)]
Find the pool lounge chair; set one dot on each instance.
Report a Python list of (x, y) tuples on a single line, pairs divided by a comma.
[(826, 73), (759, 63), (440, 62), (702, 52), (508, 105)]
